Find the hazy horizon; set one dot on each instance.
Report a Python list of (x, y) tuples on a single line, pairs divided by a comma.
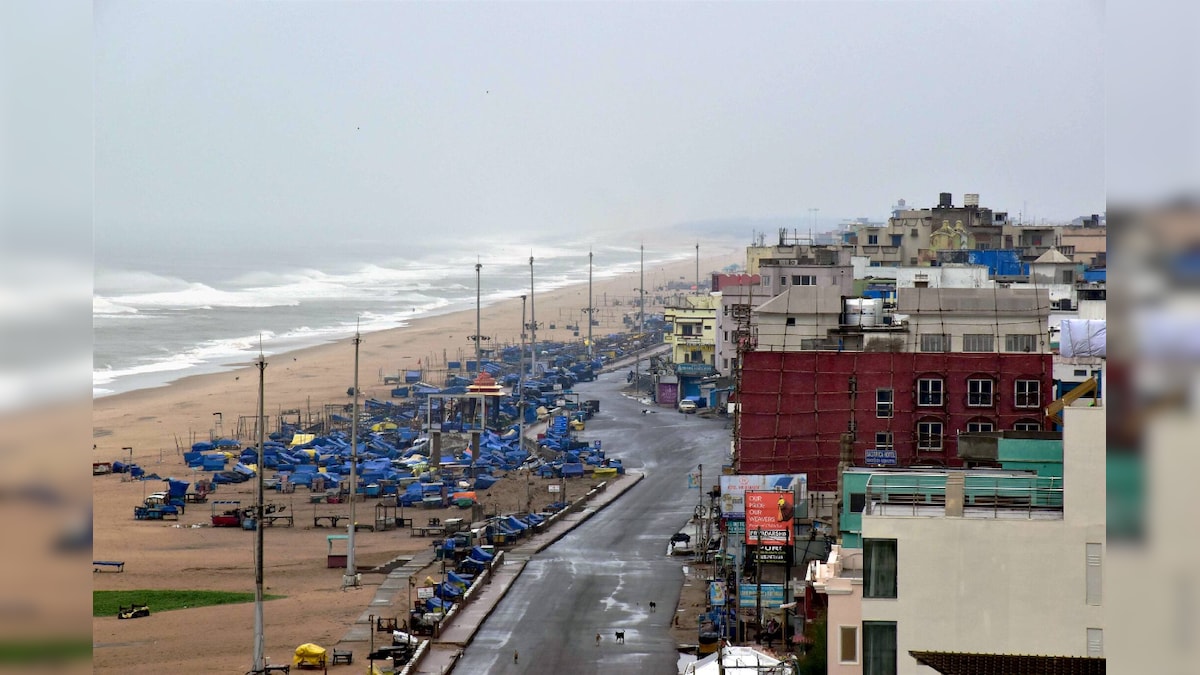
[(247, 123)]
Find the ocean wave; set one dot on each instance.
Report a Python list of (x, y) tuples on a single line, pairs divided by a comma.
[(210, 352)]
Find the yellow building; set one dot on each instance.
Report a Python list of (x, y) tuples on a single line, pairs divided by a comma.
[(692, 335)]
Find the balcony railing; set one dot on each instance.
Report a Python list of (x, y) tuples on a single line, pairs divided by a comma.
[(917, 493)]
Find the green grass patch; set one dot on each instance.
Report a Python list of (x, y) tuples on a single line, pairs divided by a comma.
[(45, 650), (108, 603)]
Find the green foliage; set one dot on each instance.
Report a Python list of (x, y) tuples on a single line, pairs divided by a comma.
[(813, 661), (107, 603)]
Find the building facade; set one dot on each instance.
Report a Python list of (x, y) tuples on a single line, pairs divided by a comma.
[(905, 408), (1010, 577)]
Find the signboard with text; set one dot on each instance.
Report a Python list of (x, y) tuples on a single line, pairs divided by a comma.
[(771, 554), (769, 517), (772, 595), (881, 456), (734, 489)]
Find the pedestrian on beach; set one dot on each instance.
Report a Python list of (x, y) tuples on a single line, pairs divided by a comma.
[(516, 656), (597, 639)]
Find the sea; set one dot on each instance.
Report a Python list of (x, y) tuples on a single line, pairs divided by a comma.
[(161, 315)]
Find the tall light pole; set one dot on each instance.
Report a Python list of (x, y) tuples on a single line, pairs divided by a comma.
[(697, 268), (478, 335), (521, 383), (350, 579), (532, 324)]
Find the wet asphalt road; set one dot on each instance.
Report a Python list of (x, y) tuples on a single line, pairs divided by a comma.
[(600, 577)]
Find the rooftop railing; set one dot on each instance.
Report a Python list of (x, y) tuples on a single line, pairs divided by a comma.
[(1005, 493)]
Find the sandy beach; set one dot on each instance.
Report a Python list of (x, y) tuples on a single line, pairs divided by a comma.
[(162, 422)]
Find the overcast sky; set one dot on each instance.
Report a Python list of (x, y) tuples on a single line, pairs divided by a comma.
[(312, 117)]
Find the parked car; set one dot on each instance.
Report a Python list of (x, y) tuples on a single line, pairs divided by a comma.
[(687, 406)]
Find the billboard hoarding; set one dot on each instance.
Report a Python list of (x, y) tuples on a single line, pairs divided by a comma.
[(734, 488), (769, 517)]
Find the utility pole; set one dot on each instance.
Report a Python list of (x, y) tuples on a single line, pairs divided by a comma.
[(350, 579), (758, 580), (590, 308), (637, 380), (845, 461), (697, 268), (259, 641)]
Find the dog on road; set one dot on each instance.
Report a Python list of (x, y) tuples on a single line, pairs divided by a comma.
[(620, 637)]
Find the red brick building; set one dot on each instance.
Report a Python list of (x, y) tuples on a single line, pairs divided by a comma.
[(909, 406)]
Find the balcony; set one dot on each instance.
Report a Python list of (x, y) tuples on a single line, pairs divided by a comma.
[(1004, 497), (695, 340)]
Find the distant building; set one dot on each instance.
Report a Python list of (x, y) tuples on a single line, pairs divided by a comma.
[(915, 237), (692, 336)]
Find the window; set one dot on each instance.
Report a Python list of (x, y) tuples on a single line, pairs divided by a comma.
[(884, 398), (979, 342), (1081, 372), (804, 280), (726, 336), (1020, 343), (790, 321), (1095, 643), (1027, 425), (929, 436), (726, 362), (872, 239), (879, 647), (980, 427), (858, 502), (1068, 276), (979, 393), (847, 644), (783, 280), (883, 440), (697, 356), (935, 342), (929, 392), (897, 240), (879, 568), (766, 279), (1028, 394), (1094, 558)]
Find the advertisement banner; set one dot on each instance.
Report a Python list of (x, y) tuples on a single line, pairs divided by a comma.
[(734, 489), (694, 480), (769, 517), (716, 593), (772, 596)]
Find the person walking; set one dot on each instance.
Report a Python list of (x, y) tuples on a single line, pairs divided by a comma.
[(516, 657), (597, 639)]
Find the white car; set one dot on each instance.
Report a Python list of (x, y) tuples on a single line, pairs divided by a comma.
[(687, 406)]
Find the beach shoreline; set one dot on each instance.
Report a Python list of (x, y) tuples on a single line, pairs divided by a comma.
[(152, 427)]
